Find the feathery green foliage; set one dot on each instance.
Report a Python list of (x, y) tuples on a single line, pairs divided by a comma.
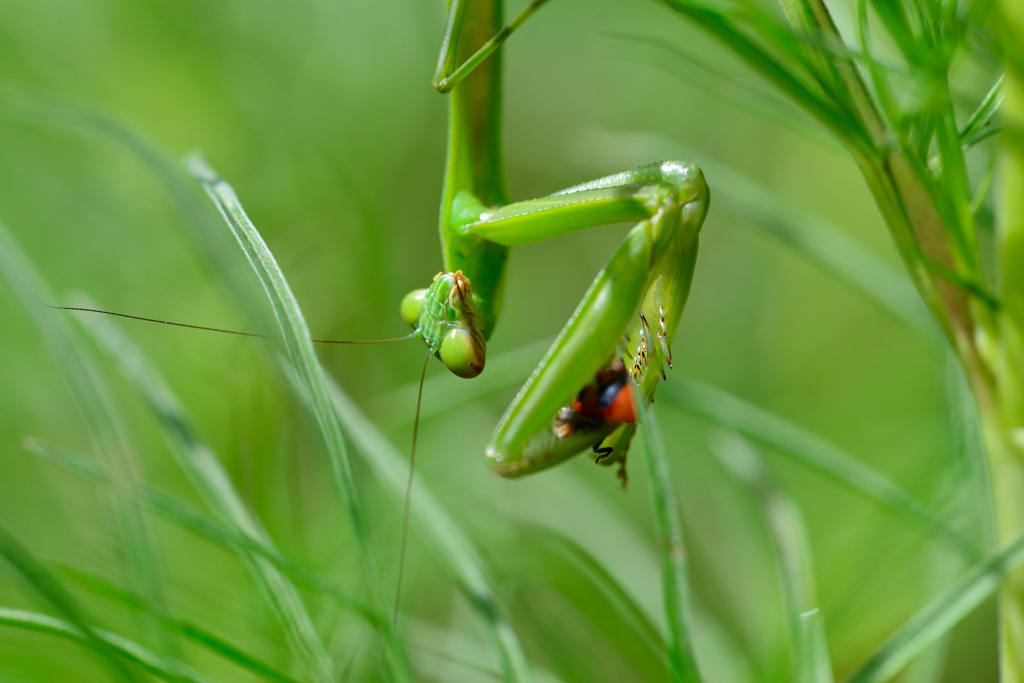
[(322, 117)]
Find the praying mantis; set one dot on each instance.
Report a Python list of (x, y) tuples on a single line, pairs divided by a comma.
[(616, 345)]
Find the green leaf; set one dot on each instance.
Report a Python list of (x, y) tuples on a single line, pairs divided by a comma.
[(940, 615), (791, 549), (299, 346), (435, 526), (809, 450), (115, 645), (198, 522), (668, 525), (47, 587), (94, 398), (215, 487), (106, 589), (981, 124)]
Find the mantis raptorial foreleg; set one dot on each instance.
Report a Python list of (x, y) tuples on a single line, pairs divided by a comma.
[(647, 279), (631, 310)]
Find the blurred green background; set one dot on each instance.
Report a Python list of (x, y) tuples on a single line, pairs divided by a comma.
[(321, 116)]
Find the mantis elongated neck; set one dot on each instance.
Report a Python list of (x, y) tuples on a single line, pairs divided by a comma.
[(475, 161)]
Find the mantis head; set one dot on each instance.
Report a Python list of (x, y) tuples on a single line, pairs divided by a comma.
[(445, 316)]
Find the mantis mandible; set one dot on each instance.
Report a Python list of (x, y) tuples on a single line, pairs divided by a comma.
[(617, 344)]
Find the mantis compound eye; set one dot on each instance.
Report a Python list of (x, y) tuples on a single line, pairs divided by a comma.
[(463, 352), (412, 306)]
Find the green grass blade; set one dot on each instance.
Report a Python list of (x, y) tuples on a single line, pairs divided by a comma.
[(588, 570), (790, 543), (699, 70), (114, 593), (668, 525), (809, 450), (43, 109), (898, 26), (940, 615), (804, 20), (124, 649), (299, 346), (773, 69), (194, 520), (983, 117), (821, 243), (215, 487), (94, 398), (47, 587), (435, 528), (835, 70)]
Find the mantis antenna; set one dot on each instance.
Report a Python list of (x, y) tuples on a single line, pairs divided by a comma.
[(205, 328), (416, 422)]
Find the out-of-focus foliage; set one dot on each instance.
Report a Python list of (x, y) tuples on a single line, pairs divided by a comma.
[(322, 117)]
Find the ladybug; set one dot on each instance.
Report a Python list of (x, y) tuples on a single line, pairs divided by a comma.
[(608, 399)]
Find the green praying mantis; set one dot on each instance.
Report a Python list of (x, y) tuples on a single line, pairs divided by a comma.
[(616, 345)]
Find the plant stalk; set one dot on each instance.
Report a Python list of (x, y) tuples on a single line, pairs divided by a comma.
[(1003, 419)]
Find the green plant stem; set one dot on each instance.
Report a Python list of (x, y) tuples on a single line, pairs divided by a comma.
[(1003, 420), (1006, 463)]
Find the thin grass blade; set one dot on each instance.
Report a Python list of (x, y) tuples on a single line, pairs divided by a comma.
[(299, 345), (668, 526), (118, 646), (611, 591), (94, 398), (215, 487), (791, 547), (435, 526), (192, 519), (47, 587), (983, 116), (940, 615), (774, 69), (200, 636), (810, 450)]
